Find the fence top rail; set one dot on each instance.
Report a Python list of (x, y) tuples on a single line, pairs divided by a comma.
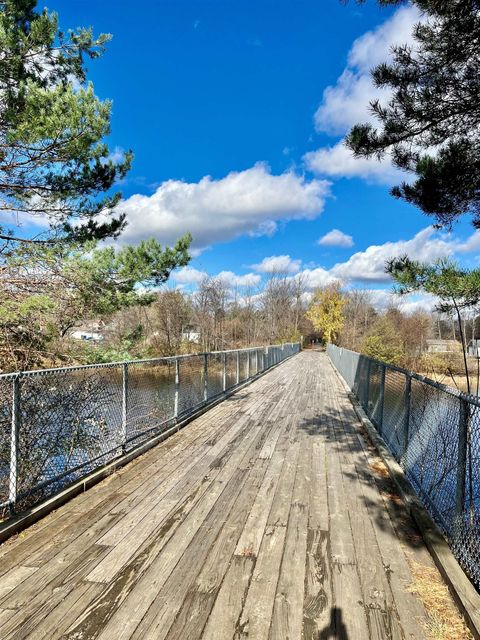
[(462, 395), (119, 363)]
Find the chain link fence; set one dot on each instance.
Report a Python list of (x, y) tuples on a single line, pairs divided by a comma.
[(434, 433), (58, 425)]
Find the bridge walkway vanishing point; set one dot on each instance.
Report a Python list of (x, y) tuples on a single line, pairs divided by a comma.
[(267, 517)]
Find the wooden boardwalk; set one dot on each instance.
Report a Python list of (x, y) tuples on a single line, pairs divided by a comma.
[(267, 517)]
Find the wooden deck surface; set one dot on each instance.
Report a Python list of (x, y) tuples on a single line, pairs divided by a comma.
[(265, 518)]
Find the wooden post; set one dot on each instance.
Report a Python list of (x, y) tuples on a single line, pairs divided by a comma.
[(205, 377), (224, 377), (463, 425), (123, 434), (14, 439), (177, 388)]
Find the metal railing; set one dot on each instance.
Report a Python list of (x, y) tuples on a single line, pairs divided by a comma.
[(59, 425), (434, 433)]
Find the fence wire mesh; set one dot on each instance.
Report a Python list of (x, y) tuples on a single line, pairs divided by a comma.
[(58, 425), (434, 433)]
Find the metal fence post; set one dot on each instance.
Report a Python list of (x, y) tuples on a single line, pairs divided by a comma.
[(367, 386), (406, 423), (460, 493), (224, 376), (177, 387), (256, 361), (248, 364), (238, 367), (381, 400), (14, 439), (205, 377), (123, 435)]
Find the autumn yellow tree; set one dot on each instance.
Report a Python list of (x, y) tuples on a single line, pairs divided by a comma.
[(326, 311)]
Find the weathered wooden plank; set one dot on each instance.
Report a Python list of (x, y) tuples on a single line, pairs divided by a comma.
[(116, 592), (199, 598), (251, 538), (280, 508), (223, 621), (256, 615), (347, 611), (41, 603), (38, 582), (6, 614), (14, 577), (133, 540), (376, 594), (214, 556), (288, 608), (138, 601), (54, 624), (318, 598), (160, 615), (318, 501), (38, 548), (39, 535)]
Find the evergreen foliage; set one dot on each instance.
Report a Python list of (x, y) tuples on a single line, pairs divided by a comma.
[(431, 123), (54, 163)]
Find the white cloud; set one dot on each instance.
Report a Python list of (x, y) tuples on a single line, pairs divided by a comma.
[(339, 162), (191, 276), (348, 101), (278, 264), (382, 299), (369, 265), (366, 266), (316, 278), (248, 202), (188, 275), (470, 244), (336, 238), (234, 280)]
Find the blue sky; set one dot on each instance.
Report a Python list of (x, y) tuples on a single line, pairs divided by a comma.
[(235, 111)]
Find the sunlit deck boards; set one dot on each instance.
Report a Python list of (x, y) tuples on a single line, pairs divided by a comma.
[(261, 519)]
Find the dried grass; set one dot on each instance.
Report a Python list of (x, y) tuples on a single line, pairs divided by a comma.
[(444, 619), (379, 468)]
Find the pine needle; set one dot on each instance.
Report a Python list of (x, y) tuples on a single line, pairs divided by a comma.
[(444, 619)]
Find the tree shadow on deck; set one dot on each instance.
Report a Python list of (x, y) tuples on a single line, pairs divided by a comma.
[(345, 437)]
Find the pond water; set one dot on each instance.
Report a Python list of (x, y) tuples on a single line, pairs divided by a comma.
[(72, 421)]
